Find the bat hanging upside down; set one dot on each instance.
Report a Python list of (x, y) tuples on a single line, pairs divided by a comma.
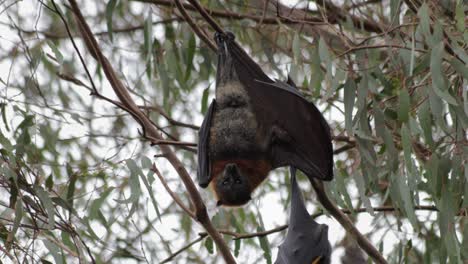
[(255, 125)]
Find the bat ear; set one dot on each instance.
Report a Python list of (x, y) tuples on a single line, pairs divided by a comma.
[(290, 81)]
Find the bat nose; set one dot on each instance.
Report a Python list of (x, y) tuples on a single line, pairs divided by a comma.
[(231, 167)]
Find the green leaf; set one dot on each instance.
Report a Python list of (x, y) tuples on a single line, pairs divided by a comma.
[(384, 133), (5, 144), (109, 13), (465, 200), (71, 188), (135, 171), (50, 182), (97, 203), (18, 216), (404, 105), (359, 179), (56, 51), (413, 55), (424, 23), (265, 246), (460, 16), (77, 118), (316, 77), (237, 245), (296, 48), (146, 162), (447, 208), (209, 245), (148, 41), (148, 33), (324, 53), (425, 121), (405, 195), (55, 251), (406, 144), (341, 189), (64, 204), (48, 205), (349, 97), (151, 194), (204, 101), (439, 84), (4, 115), (459, 67), (190, 55)]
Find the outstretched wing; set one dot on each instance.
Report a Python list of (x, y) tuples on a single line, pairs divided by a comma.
[(204, 166), (300, 136), (306, 241)]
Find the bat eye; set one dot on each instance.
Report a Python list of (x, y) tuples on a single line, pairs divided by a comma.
[(237, 181), (225, 182)]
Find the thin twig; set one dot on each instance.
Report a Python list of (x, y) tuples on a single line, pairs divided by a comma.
[(194, 25), (172, 142), (171, 193), (206, 16), (346, 211), (173, 255), (169, 118)]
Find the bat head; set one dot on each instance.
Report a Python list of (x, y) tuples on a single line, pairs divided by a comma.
[(232, 186)]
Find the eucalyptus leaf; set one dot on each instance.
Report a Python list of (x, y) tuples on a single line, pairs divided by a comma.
[(439, 82), (109, 13), (48, 205)]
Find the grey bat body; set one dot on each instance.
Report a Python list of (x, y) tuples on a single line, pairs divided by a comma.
[(234, 129)]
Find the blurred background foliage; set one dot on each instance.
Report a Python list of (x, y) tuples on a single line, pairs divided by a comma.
[(390, 76)]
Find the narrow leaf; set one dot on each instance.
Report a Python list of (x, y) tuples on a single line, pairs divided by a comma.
[(349, 98), (439, 83), (18, 216), (296, 47), (57, 53), (204, 101), (109, 13), (47, 203), (404, 105), (362, 192), (209, 245)]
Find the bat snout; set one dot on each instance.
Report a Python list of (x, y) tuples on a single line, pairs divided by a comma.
[(231, 167), (232, 175), (232, 188)]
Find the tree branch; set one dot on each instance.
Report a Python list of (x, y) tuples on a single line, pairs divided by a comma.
[(200, 33), (173, 255), (149, 130), (362, 241)]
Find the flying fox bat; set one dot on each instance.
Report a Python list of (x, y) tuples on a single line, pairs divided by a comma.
[(255, 125), (306, 241)]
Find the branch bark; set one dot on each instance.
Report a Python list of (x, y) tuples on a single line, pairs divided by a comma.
[(150, 131), (362, 241)]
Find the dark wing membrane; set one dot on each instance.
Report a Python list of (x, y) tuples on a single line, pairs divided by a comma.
[(204, 167), (309, 146)]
